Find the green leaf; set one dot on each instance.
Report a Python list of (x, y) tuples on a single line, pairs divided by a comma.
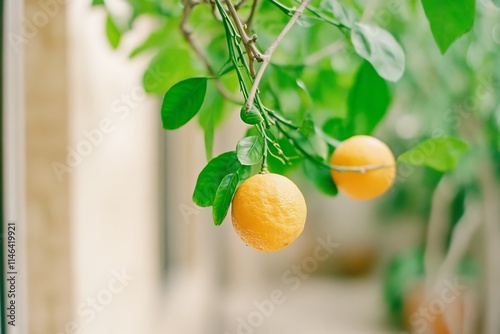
[(182, 102), (320, 176), (211, 176), (380, 48), (449, 19), (368, 101), (113, 33), (223, 197), (251, 117), (441, 154), (97, 2), (250, 150), (496, 3)]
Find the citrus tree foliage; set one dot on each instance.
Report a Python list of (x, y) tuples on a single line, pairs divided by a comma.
[(303, 75)]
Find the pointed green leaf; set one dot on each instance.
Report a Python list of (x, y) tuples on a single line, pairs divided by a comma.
[(223, 197), (380, 48), (113, 33), (368, 101), (449, 19), (250, 150), (182, 102), (321, 177), (212, 175), (441, 154), (97, 2), (496, 3)]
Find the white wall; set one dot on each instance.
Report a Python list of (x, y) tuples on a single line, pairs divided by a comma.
[(114, 188)]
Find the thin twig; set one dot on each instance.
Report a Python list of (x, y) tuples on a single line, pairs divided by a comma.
[(269, 53), (188, 36)]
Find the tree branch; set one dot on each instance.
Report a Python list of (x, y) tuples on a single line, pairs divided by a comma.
[(188, 36), (270, 51), (249, 42)]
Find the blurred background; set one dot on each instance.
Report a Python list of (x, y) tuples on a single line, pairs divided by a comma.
[(111, 242)]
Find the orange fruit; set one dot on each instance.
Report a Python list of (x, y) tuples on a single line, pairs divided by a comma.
[(268, 212), (363, 152)]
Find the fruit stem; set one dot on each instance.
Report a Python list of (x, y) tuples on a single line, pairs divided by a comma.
[(357, 169), (264, 169)]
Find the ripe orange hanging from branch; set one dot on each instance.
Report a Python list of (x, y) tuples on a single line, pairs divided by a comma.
[(268, 212), (363, 152)]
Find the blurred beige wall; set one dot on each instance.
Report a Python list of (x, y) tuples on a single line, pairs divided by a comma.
[(92, 178), (49, 253)]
